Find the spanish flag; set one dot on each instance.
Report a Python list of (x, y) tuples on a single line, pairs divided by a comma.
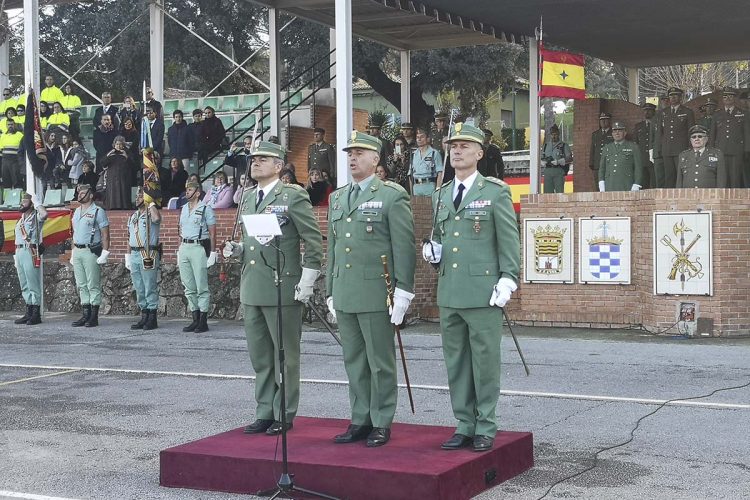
[(562, 75), (56, 229)]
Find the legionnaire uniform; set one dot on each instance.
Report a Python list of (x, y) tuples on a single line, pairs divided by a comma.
[(291, 205), (599, 139), (672, 126), (621, 167), (144, 262), (476, 244), (88, 253), (731, 134), (366, 220), (644, 134), (193, 261), (323, 157), (27, 259), (702, 169), (424, 170), (557, 156)]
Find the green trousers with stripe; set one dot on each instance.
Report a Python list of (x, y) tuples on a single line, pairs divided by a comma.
[(29, 277)]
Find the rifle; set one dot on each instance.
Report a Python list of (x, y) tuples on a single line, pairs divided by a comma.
[(389, 302)]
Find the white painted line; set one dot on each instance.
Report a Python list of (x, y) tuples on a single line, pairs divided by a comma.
[(30, 496), (36, 377), (529, 394)]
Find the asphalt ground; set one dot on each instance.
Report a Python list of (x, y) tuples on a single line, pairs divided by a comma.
[(84, 412)]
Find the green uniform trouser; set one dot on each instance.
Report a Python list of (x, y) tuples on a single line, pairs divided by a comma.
[(145, 281), (735, 167), (423, 189), (471, 347), (262, 344), (554, 180), (194, 275), (659, 173), (88, 276), (370, 362), (670, 171), (29, 277)]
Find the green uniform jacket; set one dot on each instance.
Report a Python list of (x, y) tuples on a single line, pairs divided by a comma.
[(322, 157), (599, 139), (730, 132), (672, 131), (708, 171), (480, 242), (380, 223), (621, 166), (708, 123), (257, 281), (644, 135)]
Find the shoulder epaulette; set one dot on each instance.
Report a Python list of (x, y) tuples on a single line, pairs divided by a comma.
[(394, 185), (446, 183), (497, 181), (295, 186)]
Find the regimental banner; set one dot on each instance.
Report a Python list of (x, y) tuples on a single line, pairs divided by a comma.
[(604, 250), (548, 250), (683, 253)]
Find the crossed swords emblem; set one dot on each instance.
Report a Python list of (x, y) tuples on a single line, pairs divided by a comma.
[(681, 262)]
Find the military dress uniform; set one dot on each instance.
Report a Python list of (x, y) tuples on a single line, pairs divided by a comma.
[(480, 245), (731, 134), (87, 233), (644, 134), (702, 169), (424, 169), (672, 138), (599, 139), (145, 280), (707, 120), (621, 166), (554, 173), (28, 233), (366, 220), (193, 262), (323, 157), (291, 205)]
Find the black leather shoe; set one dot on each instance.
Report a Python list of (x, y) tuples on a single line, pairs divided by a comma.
[(276, 428), (457, 441), (483, 443), (353, 433), (378, 437), (260, 425)]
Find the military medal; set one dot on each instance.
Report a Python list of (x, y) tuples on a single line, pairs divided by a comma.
[(368, 229), (477, 227)]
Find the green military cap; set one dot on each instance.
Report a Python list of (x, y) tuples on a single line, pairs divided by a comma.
[(604, 115), (407, 125), (698, 129), (674, 91), (363, 141), (465, 132), (441, 115), (650, 106), (265, 148), (729, 91), (618, 126)]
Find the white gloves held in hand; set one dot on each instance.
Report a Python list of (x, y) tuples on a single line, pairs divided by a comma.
[(635, 187), (401, 301), (432, 251), (601, 186), (232, 249), (502, 291), (331, 309), (304, 289), (128, 262), (561, 162), (102, 259), (211, 259)]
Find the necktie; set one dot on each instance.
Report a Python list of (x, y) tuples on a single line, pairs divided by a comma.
[(354, 194), (697, 155), (459, 196), (259, 200)]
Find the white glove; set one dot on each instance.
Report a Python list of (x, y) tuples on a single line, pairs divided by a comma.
[(329, 303), (601, 186), (502, 291), (211, 259), (636, 187), (103, 257), (432, 252), (304, 289), (232, 249), (128, 262), (561, 162), (401, 301), (651, 155)]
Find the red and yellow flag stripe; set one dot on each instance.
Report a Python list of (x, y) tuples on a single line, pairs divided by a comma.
[(521, 185), (57, 228)]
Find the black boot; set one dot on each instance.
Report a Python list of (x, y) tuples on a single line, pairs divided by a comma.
[(151, 320), (36, 316), (23, 319), (85, 315), (196, 319), (94, 318), (144, 317), (202, 324)]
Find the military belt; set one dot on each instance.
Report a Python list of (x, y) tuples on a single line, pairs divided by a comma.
[(426, 180), (81, 246), (138, 249), (194, 241), (26, 245)]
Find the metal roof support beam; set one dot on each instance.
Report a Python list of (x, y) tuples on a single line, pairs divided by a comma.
[(274, 61), (31, 71), (534, 143), (4, 65), (633, 86), (344, 100), (332, 51), (405, 86), (156, 47)]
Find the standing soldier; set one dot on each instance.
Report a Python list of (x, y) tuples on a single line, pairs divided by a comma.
[(557, 158), (196, 254), (27, 257), (621, 167), (322, 155), (644, 137), (701, 167), (90, 249), (143, 260), (367, 219), (476, 245), (672, 129), (599, 139), (291, 205), (440, 130), (731, 134), (708, 109)]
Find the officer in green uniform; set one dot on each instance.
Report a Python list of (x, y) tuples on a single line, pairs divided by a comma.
[(557, 157), (322, 155), (600, 138), (621, 166), (476, 246), (672, 129), (292, 207), (701, 166), (731, 134), (143, 260), (90, 250), (708, 109), (27, 258), (198, 234), (643, 135), (439, 130), (369, 218)]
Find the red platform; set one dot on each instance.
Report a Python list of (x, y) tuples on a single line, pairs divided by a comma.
[(411, 466)]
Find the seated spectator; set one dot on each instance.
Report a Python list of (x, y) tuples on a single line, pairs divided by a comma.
[(88, 176), (107, 108), (130, 111), (70, 102), (381, 173), (221, 192), (21, 112), (288, 176), (318, 188), (44, 113), (104, 137), (245, 184), (12, 166), (8, 101), (177, 178), (399, 163), (10, 115), (118, 176), (74, 159), (180, 139), (50, 93), (191, 178), (212, 135), (59, 118)]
